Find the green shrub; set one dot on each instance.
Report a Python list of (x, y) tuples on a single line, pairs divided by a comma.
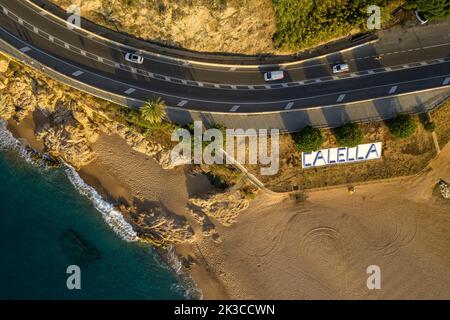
[(430, 126), (349, 135), (308, 139), (305, 23), (402, 126), (431, 9)]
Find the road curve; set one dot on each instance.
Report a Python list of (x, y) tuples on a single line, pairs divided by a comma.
[(421, 62)]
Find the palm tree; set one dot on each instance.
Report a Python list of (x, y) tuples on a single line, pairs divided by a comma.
[(154, 111)]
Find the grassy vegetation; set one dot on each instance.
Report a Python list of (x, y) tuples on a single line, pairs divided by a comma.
[(304, 23), (441, 118), (432, 9)]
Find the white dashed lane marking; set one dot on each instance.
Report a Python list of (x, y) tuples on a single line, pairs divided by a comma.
[(340, 98), (446, 81), (182, 103), (25, 49), (234, 108), (77, 73), (233, 69), (289, 105), (130, 91), (393, 89)]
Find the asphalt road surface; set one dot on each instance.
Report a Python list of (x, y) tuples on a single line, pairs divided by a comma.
[(418, 59)]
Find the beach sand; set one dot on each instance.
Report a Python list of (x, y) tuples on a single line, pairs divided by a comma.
[(318, 248)]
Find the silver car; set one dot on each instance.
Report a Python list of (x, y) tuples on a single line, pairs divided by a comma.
[(134, 57), (274, 75), (341, 67)]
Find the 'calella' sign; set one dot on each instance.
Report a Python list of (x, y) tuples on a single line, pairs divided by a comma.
[(332, 156)]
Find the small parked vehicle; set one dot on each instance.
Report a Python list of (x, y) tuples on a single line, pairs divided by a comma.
[(341, 67), (420, 17), (134, 57), (274, 75)]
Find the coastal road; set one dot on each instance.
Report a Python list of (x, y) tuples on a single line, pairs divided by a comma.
[(420, 60)]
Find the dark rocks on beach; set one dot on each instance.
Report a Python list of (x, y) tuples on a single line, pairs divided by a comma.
[(44, 159)]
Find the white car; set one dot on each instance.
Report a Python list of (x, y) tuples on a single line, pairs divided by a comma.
[(420, 17), (133, 57), (274, 75), (341, 67)]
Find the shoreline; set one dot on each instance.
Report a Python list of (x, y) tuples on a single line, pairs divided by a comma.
[(288, 249), (114, 191)]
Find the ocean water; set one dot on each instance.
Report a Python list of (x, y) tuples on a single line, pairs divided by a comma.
[(49, 220)]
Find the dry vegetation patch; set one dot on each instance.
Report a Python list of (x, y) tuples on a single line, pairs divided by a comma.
[(400, 157)]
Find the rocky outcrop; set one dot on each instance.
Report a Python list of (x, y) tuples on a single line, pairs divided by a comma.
[(158, 227), (65, 137), (224, 207), (18, 99), (233, 26)]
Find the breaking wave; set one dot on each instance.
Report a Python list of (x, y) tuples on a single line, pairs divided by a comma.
[(110, 214), (9, 142), (187, 286)]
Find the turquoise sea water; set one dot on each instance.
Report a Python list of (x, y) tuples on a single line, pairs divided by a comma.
[(47, 225)]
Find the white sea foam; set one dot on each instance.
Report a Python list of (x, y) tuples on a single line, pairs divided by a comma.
[(9, 142), (188, 287), (110, 214)]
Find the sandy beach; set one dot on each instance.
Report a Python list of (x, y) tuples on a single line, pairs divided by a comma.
[(318, 248)]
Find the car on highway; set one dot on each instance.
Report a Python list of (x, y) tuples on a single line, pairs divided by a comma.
[(420, 17), (274, 75), (341, 67), (134, 57)]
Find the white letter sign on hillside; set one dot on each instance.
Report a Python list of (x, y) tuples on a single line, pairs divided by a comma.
[(332, 156)]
